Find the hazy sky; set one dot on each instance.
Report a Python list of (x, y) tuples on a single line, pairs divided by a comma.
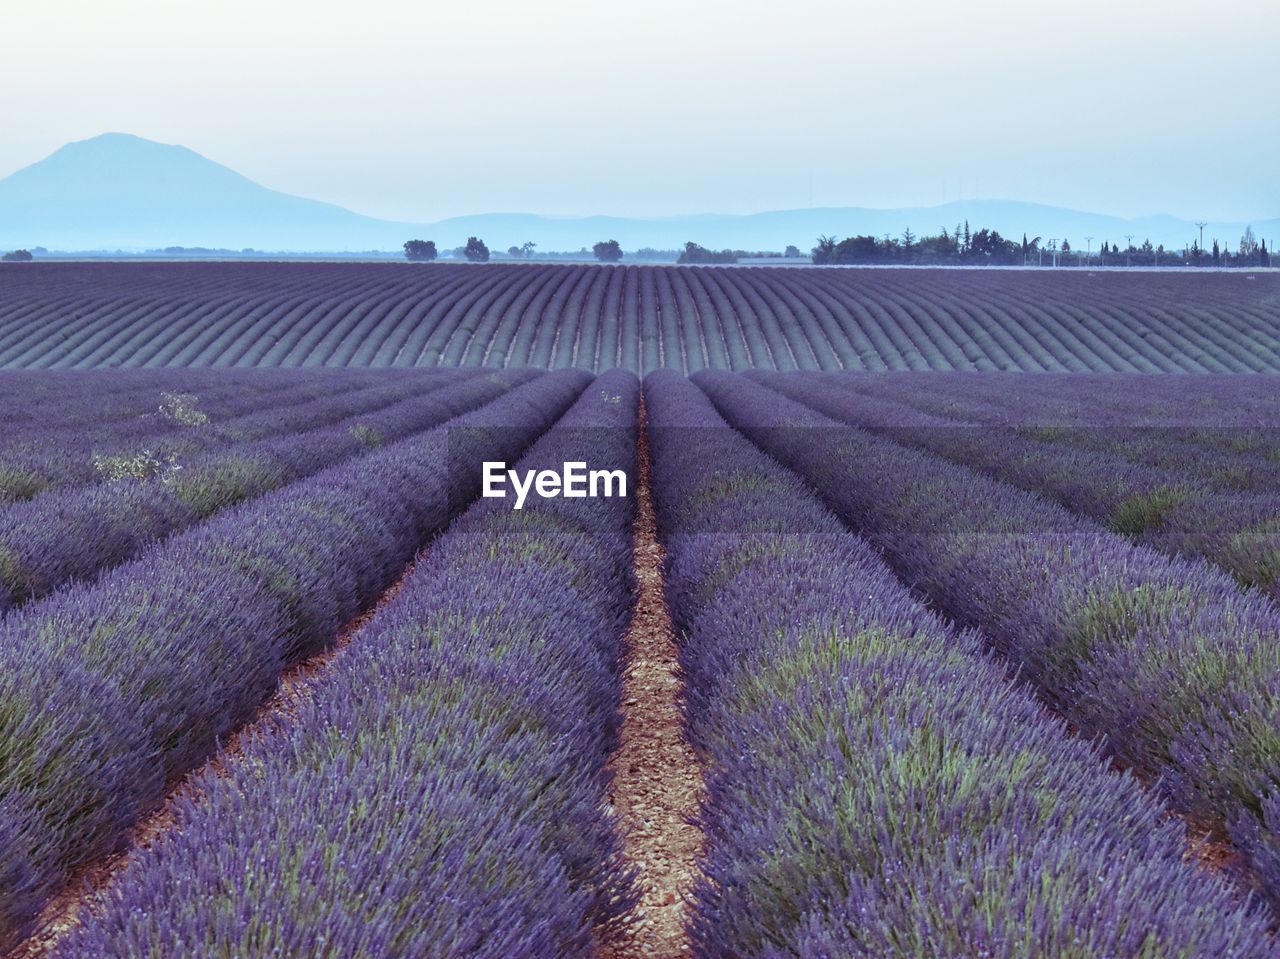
[(420, 110)]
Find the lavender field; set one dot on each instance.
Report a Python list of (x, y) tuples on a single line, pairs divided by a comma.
[(640, 318), (960, 664)]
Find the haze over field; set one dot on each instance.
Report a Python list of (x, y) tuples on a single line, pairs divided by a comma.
[(117, 191), (417, 113)]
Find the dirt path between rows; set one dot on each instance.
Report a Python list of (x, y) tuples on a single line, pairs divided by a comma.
[(295, 687), (657, 777)]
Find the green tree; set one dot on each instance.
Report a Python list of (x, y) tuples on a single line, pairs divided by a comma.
[(607, 251), (825, 251), (475, 250), (420, 250)]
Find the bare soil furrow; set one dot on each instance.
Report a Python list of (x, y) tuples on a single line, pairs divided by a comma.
[(657, 776)]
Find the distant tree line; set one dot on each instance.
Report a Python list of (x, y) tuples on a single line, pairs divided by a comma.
[(964, 246), (17, 256), (693, 253), (606, 251)]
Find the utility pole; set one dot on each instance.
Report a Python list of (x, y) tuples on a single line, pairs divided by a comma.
[(1128, 238), (1053, 248), (1200, 251), (1088, 245)]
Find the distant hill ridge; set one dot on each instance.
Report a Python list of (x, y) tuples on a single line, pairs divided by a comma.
[(118, 191)]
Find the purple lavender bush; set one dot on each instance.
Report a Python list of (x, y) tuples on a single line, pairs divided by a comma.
[(451, 761), (876, 785), (1178, 509), (112, 689), (74, 533), (57, 449), (1165, 659)]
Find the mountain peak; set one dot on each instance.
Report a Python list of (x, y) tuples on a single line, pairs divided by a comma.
[(121, 191), (112, 137), (123, 148)]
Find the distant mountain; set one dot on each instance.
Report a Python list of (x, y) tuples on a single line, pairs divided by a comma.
[(118, 191)]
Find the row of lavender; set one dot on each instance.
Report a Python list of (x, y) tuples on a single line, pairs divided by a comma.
[(1165, 658), (158, 427), (638, 317), (1222, 432), (78, 531), (1191, 507), (451, 761), (1091, 400), (1222, 429), (823, 696), (44, 419), (110, 690), (84, 407), (1214, 443), (876, 785), (35, 402)]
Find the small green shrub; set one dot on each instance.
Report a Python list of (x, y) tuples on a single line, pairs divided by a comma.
[(181, 408), (141, 466), (1145, 511), (367, 435)]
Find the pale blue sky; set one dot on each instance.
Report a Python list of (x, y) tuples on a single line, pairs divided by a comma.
[(420, 110)]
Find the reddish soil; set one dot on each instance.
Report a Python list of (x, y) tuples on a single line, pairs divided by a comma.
[(295, 688), (657, 778), (1212, 854)]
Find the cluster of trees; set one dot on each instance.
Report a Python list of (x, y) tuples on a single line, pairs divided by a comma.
[(424, 251), (1248, 253), (963, 246), (17, 256), (693, 253), (606, 251), (477, 251)]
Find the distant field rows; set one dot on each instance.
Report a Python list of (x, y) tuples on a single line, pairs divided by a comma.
[(87, 315)]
